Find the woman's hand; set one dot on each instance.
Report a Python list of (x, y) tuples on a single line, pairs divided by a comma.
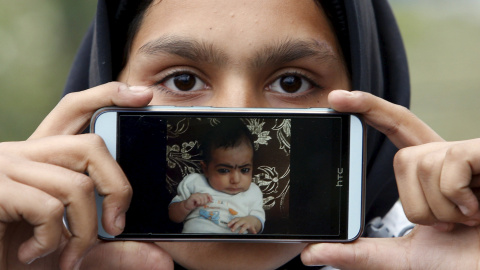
[(398, 123), (51, 170), (43, 176), (443, 178), (433, 180), (424, 248), (436, 179), (72, 114)]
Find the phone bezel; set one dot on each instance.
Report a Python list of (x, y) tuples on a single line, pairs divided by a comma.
[(104, 124)]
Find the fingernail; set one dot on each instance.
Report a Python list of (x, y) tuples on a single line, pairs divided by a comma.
[(78, 264), (132, 88), (41, 256), (119, 222), (345, 92), (32, 260), (464, 210), (137, 88)]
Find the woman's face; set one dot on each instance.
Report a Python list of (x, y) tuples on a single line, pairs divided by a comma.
[(233, 53)]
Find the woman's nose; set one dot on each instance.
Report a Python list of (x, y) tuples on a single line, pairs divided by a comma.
[(239, 94)]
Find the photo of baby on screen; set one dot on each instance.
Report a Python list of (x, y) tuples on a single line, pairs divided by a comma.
[(223, 199), (222, 189), (267, 177)]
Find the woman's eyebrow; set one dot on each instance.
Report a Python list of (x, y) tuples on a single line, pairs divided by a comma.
[(185, 47), (290, 50), (274, 54)]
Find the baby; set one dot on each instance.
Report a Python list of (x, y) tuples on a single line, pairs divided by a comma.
[(223, 199)]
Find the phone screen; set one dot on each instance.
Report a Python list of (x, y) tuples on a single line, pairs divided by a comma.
[(300, 165)]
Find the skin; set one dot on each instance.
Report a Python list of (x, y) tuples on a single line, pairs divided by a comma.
[(229, 171), (235, 74), (45, 174), (234, 68), (447, 246), (41, 176), (430, 168)]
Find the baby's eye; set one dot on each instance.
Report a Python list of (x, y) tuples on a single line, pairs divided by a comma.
[(245, 170), (290, 84), (183, 82), (223, 171)]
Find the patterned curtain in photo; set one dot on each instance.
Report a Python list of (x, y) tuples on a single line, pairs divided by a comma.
[(271, 162)]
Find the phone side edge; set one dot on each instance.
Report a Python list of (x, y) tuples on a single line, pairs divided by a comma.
[(357, 178), (104, 124)]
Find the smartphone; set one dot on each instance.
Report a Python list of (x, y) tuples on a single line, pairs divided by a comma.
[(309, 165)]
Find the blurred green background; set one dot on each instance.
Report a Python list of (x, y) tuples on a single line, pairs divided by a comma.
[(38, 40), (442, 38)]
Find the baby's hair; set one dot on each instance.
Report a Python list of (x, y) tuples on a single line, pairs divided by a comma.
[(229, 133)]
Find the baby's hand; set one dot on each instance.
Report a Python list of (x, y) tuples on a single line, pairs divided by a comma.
[(197, 199), (248, 223), (438, 183)]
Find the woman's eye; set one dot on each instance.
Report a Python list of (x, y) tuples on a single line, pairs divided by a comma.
[(184, 82), (290, 84)]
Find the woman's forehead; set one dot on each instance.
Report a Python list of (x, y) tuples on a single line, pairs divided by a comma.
[(236, 25)]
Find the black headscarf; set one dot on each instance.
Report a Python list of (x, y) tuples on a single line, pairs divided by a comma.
[(371, 43)]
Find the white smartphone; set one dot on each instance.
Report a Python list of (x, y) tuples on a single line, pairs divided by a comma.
[(307, 163)]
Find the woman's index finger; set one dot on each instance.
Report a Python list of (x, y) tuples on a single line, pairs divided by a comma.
[(72, 114), (84, 153), (398, 123)]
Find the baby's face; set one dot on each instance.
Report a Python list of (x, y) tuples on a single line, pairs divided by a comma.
[(234, 53), (230, 169)]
